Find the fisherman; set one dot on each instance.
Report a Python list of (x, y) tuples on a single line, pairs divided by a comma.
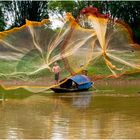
[(84, 71), (56, 70)]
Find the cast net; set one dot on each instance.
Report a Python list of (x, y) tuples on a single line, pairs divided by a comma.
[(27, 54), (113, 51), (93, 42)]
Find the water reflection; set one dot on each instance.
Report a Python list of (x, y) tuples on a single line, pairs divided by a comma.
[(70, 116), (82, 101), (79, 100)]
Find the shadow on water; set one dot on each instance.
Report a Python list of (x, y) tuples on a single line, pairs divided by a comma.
[(79, 100), (83, 115)]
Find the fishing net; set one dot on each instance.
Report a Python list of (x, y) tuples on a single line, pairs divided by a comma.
[(114, 52), (93, 42), (27, 54)]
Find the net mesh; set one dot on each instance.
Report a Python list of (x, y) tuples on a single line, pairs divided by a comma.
[(114, 51), (104, 46)]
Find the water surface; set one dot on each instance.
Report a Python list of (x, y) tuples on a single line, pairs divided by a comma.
[(86, 115)]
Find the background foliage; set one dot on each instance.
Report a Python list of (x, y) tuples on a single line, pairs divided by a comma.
[(13, 13)]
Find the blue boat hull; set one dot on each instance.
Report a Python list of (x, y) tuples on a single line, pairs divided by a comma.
[(65, 90), (74, 84)]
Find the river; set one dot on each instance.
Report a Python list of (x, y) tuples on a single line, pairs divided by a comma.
[(84, 115)]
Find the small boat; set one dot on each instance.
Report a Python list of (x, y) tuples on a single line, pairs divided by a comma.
[(74, 84)]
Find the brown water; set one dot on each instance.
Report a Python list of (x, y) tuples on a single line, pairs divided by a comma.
[(70, 116)]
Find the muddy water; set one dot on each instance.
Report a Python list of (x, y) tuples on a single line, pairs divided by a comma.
[(86, 115)]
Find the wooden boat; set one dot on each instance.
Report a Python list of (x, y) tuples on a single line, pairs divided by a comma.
[(74, 84)]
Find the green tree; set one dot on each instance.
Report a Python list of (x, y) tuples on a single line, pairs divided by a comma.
[(59, 8), (19, 11), (2, 20), (127, 11)]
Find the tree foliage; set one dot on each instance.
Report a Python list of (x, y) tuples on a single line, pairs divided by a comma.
[(15, 12), (128, 11), (2, 21), (19, 11), (59, 8)]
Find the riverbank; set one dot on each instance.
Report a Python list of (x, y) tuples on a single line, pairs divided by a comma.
[(121, 85), (115, 86)]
